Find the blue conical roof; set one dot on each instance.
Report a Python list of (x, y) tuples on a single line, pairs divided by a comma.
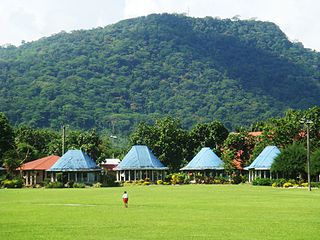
[(265, 158), (205, 159), (74, 160), (140, 157)]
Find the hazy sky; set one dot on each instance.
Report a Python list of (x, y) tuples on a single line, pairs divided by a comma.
[(32, 19)]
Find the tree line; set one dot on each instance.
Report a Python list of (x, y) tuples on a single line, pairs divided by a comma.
[(175, 145)]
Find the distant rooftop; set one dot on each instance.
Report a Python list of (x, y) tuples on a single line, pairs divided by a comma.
[(265, 159), (40, 164), (75, 160), (140, 157), (206, 159)]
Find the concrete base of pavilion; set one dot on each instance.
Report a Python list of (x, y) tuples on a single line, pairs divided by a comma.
[(260, 173), (34, 177), (77, 177), (135, 175)]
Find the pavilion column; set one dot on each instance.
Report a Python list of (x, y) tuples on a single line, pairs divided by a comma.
[(117, 176), (76, 177), (68, 177), (152, 176), (33, 178), (135, 175), (265, 174), (27, 178), (249, 176), (129, 175)]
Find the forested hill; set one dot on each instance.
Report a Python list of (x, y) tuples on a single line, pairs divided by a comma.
[(195, 69)]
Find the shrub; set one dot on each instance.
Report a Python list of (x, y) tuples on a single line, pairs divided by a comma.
[(14, 183), (140, 182), (146, 183), (54, 185), (166, 183), (279, 182), (216, 181), (180, 178), (287, 185), (79, 185), (304, 184), (262, 182), (292, 181), (220, 180), (315, 184), (97, 185), (69, 184), (236, 179), (159, 182)]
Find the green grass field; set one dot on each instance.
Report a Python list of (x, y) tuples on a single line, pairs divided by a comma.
[(161, 212)]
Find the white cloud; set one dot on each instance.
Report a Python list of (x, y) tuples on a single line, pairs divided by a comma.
[(32, 19)]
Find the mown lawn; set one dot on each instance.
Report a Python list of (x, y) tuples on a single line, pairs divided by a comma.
[(161, 212)]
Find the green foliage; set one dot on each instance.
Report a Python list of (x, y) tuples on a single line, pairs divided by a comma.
[(6, 136), (159, 182), (97, 185), (291, 162), (262, 182), (240, 72), (239, 147), (287, 185), (220, 180), (12, 183), (211, 135), (278, 182), (237, 179), (315, 163), (54, 185), (109, 180), (79, 185)]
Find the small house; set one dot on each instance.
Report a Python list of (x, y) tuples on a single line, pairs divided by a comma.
[(140, 163), (34, 172), (75, 166), (260, 167)]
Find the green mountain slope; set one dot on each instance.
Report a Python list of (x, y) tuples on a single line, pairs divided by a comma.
[(196, 69)]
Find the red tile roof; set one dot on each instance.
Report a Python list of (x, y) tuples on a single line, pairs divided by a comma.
[(255, 134), (40, 164)]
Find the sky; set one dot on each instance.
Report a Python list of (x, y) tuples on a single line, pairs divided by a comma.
[(29, 20)]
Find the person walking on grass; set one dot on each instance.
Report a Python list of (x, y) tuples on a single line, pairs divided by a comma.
[(125, 199)]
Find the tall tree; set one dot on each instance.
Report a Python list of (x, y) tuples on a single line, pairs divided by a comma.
[(239, 145), (315, 163), (6, 136), (210, 135), (291, 162)]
